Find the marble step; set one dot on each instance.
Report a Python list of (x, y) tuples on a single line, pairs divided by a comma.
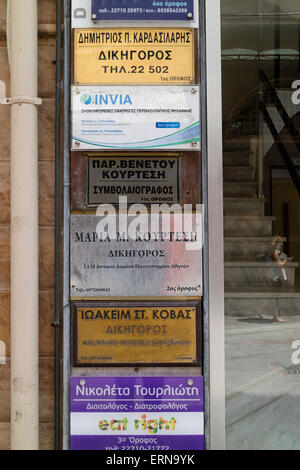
[(239, 189), (248, 226), (238, 144), (262, 404), (238, 174), (236, 158), (244, 206), (253, 301), (247, 248), (239, 274)]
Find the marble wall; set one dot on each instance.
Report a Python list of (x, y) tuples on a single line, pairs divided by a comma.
[(47, 55)]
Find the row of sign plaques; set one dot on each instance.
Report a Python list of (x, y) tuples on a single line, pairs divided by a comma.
[(135, 91), (136, 300)]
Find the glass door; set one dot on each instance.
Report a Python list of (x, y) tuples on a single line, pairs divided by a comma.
[(261, 174)]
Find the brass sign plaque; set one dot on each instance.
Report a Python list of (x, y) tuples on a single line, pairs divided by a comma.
[(135, 335), (134, 55), (140, 179)]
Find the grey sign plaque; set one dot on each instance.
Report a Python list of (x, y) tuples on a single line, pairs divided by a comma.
[(141, 179), (142, 263)]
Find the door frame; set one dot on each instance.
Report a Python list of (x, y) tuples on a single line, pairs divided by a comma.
[(212, 184)]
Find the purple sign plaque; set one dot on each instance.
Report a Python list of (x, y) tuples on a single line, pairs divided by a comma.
[(136, 413), (142, 10)]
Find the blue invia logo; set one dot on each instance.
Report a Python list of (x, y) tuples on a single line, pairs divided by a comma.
[(105, 99)]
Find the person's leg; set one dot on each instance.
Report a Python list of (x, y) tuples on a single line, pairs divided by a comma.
[(276, 316)]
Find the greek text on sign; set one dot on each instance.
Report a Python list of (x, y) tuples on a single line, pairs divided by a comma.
[(139, 335), (81, 12), (137, 413), (142, 9), (125, 56), (141, 179), (141, 259), (136, 117)]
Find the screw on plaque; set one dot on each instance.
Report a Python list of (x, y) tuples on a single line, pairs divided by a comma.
[(194, 143), (77, 144), (94, 16), (190, 15), (82, 382), (190, 381)]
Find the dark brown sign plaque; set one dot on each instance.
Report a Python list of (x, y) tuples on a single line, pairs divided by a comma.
[(184, 185), (141, 179)]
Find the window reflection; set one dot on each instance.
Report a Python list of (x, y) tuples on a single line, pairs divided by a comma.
[(261, 159)]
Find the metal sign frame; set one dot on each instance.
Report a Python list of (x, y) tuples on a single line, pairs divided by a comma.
[(213, 300)]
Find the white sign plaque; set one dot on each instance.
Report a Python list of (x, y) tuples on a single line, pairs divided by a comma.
[(136, 117), (150, 262)]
